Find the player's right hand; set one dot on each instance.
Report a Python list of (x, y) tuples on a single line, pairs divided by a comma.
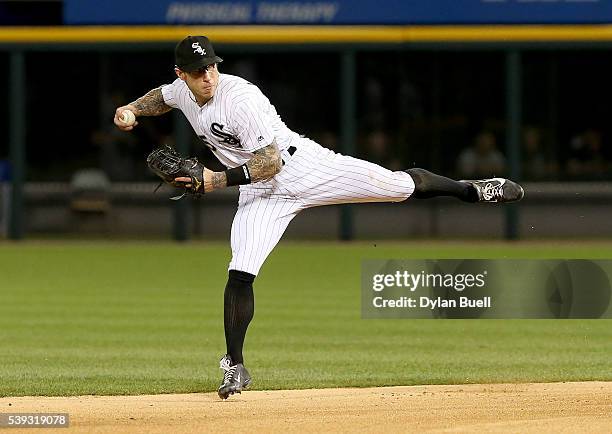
[(122, 126)]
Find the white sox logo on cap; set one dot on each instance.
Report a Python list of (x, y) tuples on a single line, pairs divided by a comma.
[(198, 49), (195, 52)]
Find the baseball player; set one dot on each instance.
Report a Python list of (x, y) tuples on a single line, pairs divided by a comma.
[(279, 172)]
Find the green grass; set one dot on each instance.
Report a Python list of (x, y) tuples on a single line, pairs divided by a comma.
[(130, 318)]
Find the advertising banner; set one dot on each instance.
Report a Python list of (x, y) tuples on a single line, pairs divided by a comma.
[(369, 12)]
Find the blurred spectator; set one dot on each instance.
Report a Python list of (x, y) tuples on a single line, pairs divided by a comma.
[(90, 191), (327, 138), (117, 151), (245, 68), (378, 149), (122, 155), (5, 170), (410, 105), (482, 159), (586, 159), (537, 165), (374, 103)]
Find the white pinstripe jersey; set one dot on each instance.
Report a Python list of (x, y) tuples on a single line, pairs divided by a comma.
[(238, 120)]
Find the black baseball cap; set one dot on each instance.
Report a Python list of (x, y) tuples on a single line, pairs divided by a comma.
[(195, 52)]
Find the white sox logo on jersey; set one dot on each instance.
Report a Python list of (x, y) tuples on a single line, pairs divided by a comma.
[(217, 130), (197, 49)]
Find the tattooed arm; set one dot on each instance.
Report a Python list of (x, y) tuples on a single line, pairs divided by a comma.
[(266, 163), (150, 104)]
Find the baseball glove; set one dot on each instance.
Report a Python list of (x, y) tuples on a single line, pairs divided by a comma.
[(168, 164)]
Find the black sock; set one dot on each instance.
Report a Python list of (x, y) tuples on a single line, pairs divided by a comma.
[(429, 184), (238, 309)]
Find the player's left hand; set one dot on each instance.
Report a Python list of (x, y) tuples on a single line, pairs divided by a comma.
[(180, 172), (184, 182)]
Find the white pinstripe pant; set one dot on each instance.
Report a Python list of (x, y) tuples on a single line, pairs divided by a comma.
[(313, 176)]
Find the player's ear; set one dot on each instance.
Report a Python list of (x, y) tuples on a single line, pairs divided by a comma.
[(180, 74)]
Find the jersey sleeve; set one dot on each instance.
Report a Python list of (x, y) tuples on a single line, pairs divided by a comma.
[(254, 126), (169, 93)]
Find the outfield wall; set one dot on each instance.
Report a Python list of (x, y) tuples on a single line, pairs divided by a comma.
[(550, 210)]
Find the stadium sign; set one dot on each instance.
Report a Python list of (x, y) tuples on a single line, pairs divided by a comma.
[(369, 12)]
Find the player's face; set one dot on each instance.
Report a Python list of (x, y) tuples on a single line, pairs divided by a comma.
[(202, 82)]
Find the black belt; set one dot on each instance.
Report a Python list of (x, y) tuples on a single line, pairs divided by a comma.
[(291, 150)]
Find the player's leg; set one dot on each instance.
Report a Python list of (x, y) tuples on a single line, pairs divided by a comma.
[(320, 177), (238, 310), (258, 225), (428, 184)]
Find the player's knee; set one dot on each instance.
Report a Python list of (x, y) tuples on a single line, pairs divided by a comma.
[(420, 178), (240, 279)]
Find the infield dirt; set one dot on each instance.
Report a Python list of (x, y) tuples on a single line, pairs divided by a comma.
[(551, 407)]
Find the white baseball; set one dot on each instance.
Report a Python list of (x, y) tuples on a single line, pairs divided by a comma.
[(127, 117)]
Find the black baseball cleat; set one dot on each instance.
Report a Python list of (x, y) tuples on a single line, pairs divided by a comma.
[(235, 377), (497, 190)]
